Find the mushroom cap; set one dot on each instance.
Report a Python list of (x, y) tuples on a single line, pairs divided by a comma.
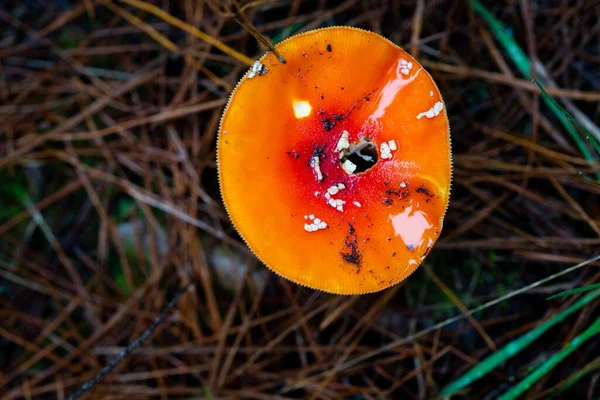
[(338, 83)]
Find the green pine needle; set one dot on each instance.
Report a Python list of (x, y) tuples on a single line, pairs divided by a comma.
[(519, 58), (513, 347), (575, 291), (550, 363)]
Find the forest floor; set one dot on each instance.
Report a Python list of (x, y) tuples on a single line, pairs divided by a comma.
[(110, 204)]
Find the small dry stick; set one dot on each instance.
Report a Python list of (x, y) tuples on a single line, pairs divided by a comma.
[(132, 347), (241, 18)]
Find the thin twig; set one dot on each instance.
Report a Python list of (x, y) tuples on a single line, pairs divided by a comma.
[(132, 347)]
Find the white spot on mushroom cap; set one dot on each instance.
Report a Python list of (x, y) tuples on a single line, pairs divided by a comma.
[(349, 166), (343, 143), (433, 111), (316, 225), (384, 150), (357, 204), (257, 69), (316, 166), (333, 190), (335, 203), (338, 204), (405, 67)]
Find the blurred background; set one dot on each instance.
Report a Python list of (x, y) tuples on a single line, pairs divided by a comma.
[(109, 204)]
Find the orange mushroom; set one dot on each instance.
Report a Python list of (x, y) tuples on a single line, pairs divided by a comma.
[(335, 167)]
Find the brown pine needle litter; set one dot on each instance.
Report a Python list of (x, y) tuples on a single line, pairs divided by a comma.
[(110, 208)]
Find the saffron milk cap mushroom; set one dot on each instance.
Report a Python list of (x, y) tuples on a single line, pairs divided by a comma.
[(335, 167)]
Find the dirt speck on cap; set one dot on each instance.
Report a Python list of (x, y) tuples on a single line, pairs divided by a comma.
[(351, 254)]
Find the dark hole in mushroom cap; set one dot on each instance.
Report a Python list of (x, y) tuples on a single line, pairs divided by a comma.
[(363, 155)]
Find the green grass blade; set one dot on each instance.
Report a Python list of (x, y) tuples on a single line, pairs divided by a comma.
[(573, 379), (585, 151), (575, 291), (513, 347), (545, 367), (516, 54), (569, 117), (587, 178), (520, 59)]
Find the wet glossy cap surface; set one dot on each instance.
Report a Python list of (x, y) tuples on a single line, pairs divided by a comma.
[(284, 138)]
